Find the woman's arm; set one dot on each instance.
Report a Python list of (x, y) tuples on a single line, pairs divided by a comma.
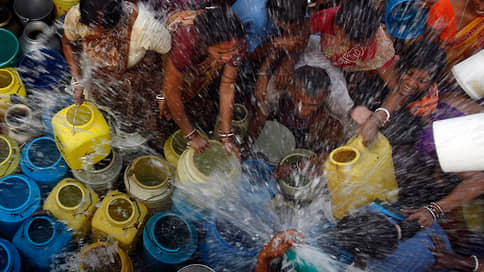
[(226, 93), (172, 83), (470, 188), (76, 75)]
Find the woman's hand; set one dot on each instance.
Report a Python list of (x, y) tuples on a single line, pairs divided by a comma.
[(360, 114), (230, 147), (289, 43), (164, 111), (279, 244), (422, 215), (447, 259), (78, 96), (369, 131), (198, 143)]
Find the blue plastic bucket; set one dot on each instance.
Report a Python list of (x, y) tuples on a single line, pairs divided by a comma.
[(193, 213), (257, 183), (10, 49), (169, 240), (420, 259), (39, 239), (41, 160), (405, 19), (43, 69), (59, 103), (226, 247), (19, 198), (9, 257)]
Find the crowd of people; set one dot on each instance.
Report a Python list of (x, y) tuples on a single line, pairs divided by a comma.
[(327, 70)]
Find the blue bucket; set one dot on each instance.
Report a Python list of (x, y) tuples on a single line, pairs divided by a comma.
[(41, 160), (193, 213), (420, 259), (257, 182), (168, 240), (9, 54), (39, 239), (59, 103), (228, 248), (43, 69), (405, 19), (9, 257), (19, 198)]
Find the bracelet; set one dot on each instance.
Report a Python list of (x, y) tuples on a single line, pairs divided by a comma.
[(434, 216), (476, 263), (76, 84), (438, 207), (386, 112), (399, 231), (225, 135), (160, 97), (190, 135)]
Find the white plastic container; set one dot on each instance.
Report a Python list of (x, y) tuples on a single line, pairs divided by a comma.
[(469, 73), (459, 143)]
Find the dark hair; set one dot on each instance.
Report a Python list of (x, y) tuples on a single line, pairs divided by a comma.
[(288, 11), (314, 79), (358, 19), (367, 234), (111, 12), (216, 25), (424, 55)]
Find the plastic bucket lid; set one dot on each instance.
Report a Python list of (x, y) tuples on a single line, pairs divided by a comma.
[(43, 153), (79, 116), (101, 258), (150, 172), (41, 230), (120, 210), (171, 233), (14, 193), (10, 48), (33, 9), (70, 196)]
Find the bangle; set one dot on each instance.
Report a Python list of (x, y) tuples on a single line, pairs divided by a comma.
[(386, 112), (434, 216), (160, 97), (190, 135), (76, 84), (476, 263), (438, 207)]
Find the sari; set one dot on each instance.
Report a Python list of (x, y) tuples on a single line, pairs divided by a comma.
[(465, 43)]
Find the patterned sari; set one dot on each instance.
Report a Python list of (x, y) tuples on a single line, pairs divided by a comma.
[(465, 43)]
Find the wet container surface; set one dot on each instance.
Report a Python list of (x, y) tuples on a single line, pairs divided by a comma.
[(3, 258), (101, 259), (171, 232), (13, 193), (40, 230), (44, 153)]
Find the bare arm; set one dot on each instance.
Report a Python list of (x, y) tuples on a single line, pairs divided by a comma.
[(172, 84), (470, 188), (462, 103), (71, 61), (226, 93)]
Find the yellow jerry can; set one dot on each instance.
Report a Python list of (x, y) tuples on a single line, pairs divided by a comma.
[(358, 175), (82, 135), (74, 204), (99, 255), (119, 218), (10, 83)]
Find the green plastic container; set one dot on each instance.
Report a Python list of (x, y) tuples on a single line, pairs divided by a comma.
[(9, 54)]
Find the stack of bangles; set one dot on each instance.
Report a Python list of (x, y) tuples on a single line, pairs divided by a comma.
[(225, 137), (435, 210), (387, 113)]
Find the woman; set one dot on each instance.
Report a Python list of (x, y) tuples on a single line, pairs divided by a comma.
[(419, 177), (114, 51), (206, 44), (353, 39)]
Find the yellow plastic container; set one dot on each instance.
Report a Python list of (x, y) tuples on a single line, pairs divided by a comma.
[(62, 6), (82, 135), (358, 175), (473, 212), (9, 156), (10, 83), (175, 145), (71, 202), (119, 218), (98, 256)]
